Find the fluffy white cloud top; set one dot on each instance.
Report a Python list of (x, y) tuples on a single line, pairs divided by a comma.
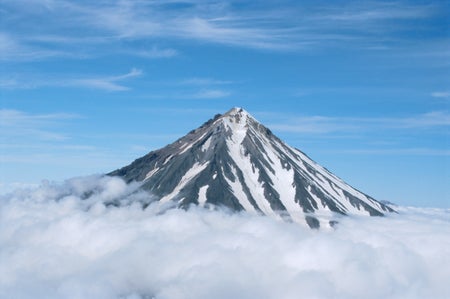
[(73, 240)]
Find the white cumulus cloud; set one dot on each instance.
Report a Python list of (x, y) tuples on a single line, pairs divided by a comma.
[(73, 240)]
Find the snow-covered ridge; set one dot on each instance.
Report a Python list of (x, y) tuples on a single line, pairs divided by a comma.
[(234, 161)]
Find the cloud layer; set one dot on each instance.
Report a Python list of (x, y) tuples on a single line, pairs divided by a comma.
[(62, 241)]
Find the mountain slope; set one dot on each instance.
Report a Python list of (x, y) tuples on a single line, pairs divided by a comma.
[(234, 161)]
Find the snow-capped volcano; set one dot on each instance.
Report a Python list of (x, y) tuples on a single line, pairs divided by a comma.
[(232, 160)]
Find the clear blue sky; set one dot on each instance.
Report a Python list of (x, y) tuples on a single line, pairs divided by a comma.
[(362, 87)]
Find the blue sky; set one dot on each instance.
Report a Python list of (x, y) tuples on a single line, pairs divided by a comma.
[(362, 87)]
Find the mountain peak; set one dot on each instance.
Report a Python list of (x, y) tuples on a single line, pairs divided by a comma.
[(237, 116), (233, 110), (236, 110), (234, 161)]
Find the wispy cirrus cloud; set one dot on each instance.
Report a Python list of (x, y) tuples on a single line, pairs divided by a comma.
[(397, 151), (441, 94), (311, 124), (205, 81), (195, 88), (13, 48), (210, 94), (209, 88), (105, 83), (107, 27), (426, 120), (109, 83), (366, 12), (154, 52), (326, 124), (17, 125), (32, 142), (193, 94)]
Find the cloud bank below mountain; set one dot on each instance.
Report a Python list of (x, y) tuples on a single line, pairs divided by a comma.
[(71, 240)]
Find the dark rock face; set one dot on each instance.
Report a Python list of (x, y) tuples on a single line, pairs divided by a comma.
[(234, 161)]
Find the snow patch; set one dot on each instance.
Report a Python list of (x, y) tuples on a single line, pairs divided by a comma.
[(151, 173), (167, 159), (190, 174), (251, 175), (283, 182), (206, 145), (202, 195), (191, 144), (238, 191)]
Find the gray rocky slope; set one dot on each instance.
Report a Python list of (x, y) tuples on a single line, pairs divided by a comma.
[(234, 161)]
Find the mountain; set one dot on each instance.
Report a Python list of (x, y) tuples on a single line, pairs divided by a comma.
[(234, 161)]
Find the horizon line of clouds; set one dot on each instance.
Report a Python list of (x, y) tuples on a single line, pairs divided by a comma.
[(218, 24)]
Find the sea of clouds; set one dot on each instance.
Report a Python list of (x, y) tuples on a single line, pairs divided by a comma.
[(90, 238)]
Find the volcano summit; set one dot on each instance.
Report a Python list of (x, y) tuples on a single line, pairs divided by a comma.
[(234, 161)]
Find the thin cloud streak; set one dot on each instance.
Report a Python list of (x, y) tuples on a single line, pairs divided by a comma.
[(205, 81), (210, 94), (396, 151), (105, 83), (441, 94), (192, 94), (154, 53), (325, 125), (16, 125), (12, 48), (376, 12)]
